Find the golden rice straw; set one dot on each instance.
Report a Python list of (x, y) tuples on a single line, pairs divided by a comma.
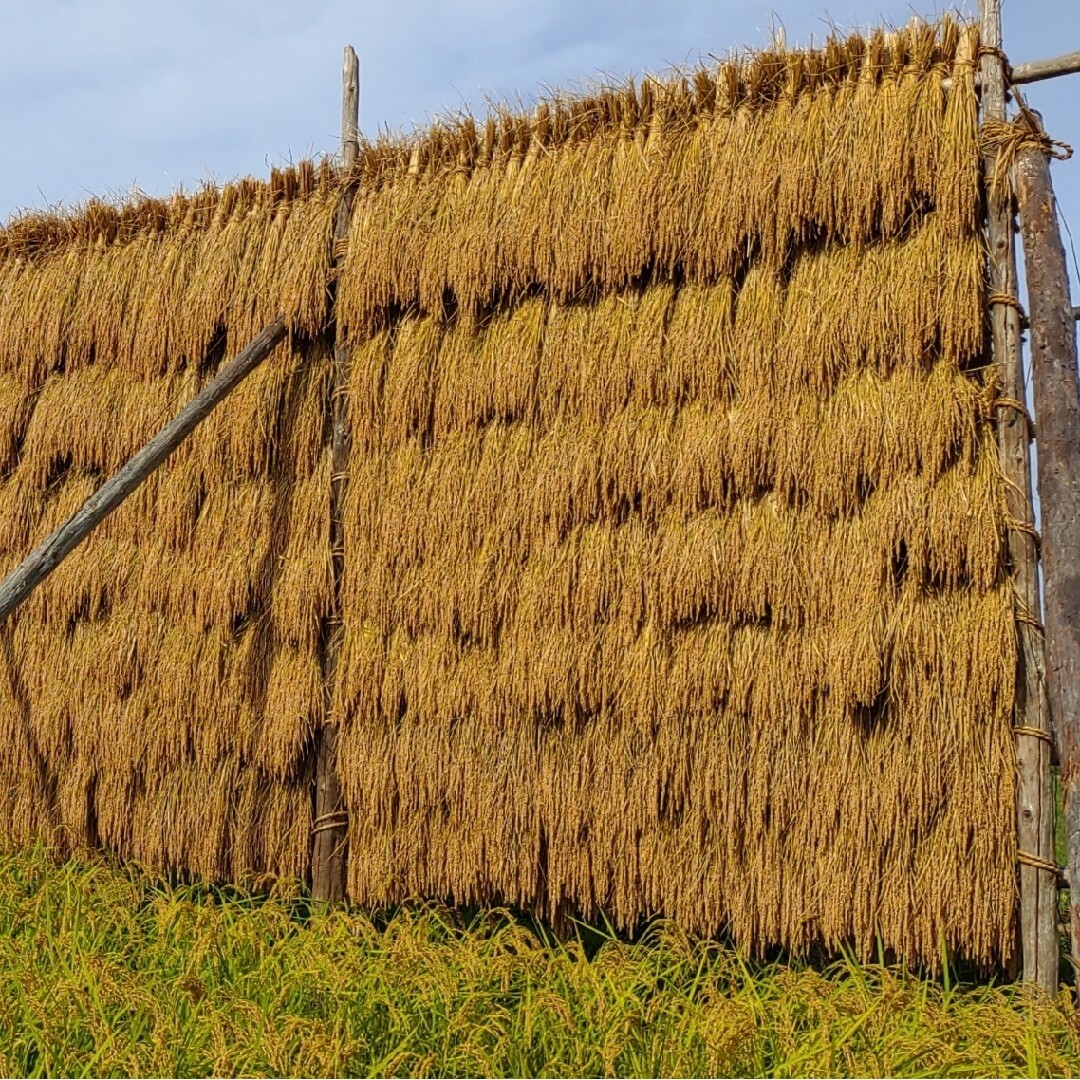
[(674, 573)]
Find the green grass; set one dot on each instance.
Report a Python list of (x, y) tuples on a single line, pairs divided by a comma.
[(103, 972)]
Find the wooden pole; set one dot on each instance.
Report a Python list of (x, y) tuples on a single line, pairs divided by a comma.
[(1037, 70), (47, 557), (1034, 791), (330, 818), (1034, 70), (1056, 390)]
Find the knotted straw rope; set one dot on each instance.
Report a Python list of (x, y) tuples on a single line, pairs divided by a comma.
[(1008, 300), (1005, 139), (1034, 733), (330, 821), (1039, 864)]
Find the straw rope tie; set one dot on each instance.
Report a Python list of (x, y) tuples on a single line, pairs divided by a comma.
[(1039, 864), (994, 50), (1055, 148), (1022, 615), (1022, 526), (330, 821), (1009, 300), (1012, 403), (1017, 406), (1034, 733), (1006, 138)]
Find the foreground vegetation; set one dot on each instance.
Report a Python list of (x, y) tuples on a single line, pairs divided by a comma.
[(103, 972)]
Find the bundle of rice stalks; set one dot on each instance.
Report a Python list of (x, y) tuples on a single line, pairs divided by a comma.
[(591, 192), (162, 687), (674, 575)]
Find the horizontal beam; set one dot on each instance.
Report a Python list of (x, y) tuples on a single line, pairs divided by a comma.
[(1037, 70), (43, 560)]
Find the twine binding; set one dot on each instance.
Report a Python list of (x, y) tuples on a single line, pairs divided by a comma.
[(1027, 859), (337, 819), (1034, 732)]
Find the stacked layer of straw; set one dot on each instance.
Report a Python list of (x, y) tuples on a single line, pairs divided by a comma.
[(160, 688), (674, 572), (674, 575)]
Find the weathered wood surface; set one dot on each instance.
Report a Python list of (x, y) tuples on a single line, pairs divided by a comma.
[(1034, 791), (47, 557), (1051, 68), (330, 825), (1035, 70), (1075, 315), (1056, 392)]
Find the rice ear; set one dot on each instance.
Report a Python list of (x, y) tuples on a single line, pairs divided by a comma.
[(626, 635), (674, 575)]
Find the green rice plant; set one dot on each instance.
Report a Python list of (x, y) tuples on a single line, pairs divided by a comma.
[(106, 972)]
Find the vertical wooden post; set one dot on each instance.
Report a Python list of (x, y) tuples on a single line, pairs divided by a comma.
[(1034, 791), (1056, 390), (330, 824)]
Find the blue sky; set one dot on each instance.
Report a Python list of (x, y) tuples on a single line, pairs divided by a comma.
[(100, 95)]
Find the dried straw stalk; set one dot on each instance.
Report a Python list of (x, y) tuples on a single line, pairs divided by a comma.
[(674, 538), (675, 572)]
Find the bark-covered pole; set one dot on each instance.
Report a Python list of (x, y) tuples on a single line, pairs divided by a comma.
[(44, 559), (1056, 390), (1034, 791), (330, 824)]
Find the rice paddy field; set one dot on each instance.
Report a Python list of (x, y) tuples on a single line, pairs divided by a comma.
[(107, 972)]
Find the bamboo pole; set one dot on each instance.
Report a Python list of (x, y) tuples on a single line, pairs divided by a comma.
[(330, 819), (1034, 791), (44, 559), (1051, 68), (1056, 391)]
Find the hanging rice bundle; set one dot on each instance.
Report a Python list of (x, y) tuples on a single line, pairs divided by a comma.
[(673, 568)]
